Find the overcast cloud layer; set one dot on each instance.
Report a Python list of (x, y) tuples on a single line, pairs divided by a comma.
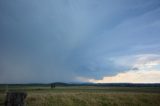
[(79, 40)]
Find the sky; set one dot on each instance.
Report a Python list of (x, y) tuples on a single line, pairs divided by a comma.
[(98, 41)]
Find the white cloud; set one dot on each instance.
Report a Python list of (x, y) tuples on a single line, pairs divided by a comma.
[(144, 69), (141, 61), (131, 77)]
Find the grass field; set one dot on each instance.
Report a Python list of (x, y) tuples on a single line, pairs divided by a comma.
[(88, 96)]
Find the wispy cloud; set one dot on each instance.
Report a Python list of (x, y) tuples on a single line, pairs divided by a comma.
[(144, 68)]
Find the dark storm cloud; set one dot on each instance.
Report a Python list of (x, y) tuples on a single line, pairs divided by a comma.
[(60, 40)]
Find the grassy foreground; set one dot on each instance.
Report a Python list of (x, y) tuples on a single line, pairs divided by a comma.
[(93, 99), (90, 96)]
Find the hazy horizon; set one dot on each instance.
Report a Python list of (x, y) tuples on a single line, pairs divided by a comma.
[(97, 41)]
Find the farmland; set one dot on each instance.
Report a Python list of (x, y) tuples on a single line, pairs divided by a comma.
[(86, 95)]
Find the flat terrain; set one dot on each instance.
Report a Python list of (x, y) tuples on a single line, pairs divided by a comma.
[(87, 96)]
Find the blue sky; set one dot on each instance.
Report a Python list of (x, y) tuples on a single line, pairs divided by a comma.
[(79, 41)]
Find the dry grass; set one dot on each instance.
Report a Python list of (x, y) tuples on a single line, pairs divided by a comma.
[(93, 99), (2, 99), (90, 96)]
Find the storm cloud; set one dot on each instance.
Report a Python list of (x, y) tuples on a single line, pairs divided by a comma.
[(64, 40)]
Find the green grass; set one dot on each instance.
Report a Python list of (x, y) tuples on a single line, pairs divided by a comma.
[(89, 96)]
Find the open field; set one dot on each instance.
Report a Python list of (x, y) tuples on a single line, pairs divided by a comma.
[(87, 96)]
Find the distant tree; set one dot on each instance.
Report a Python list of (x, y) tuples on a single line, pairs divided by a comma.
[(53, 85)]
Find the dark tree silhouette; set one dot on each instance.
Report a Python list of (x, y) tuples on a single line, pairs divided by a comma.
[(53, 85)]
